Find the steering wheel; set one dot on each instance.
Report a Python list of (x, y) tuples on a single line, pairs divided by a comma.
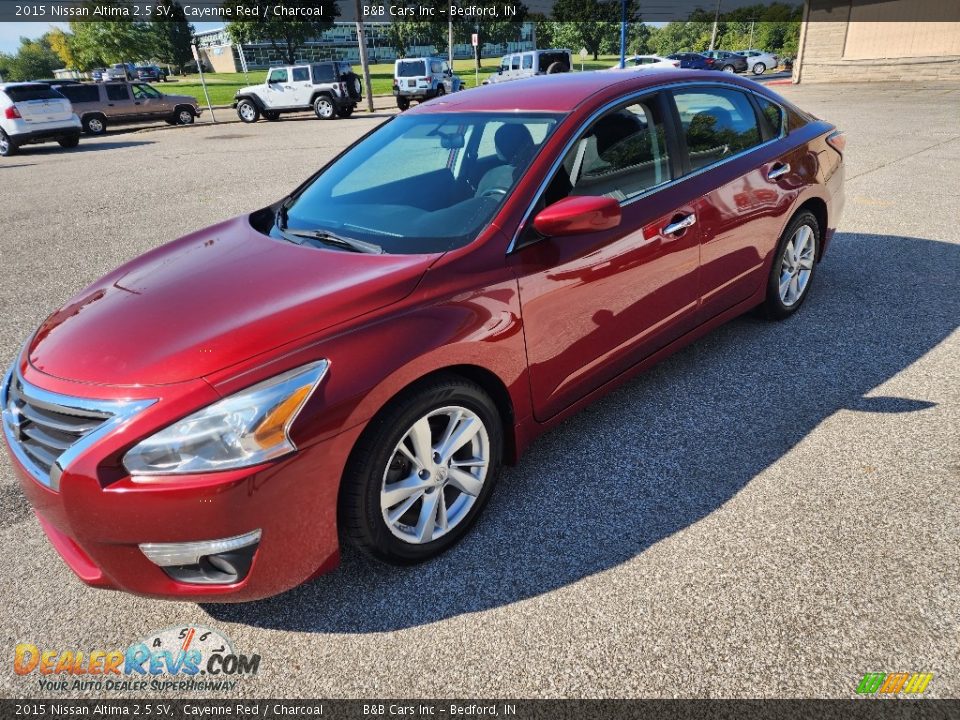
[(493, 192)]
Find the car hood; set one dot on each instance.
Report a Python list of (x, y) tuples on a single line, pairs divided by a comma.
[(212, 299), (189, 99)]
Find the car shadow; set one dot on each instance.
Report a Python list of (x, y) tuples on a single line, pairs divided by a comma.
[(663, 451), (88, 146)]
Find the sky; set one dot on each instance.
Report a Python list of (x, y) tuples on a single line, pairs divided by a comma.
[(10, 32)]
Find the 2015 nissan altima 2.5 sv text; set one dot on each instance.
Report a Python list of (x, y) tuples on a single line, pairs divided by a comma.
[(354, 363)]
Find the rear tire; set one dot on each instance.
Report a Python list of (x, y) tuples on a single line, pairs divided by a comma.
[(346, 111), (7, 148), (247, 111), (441, 90), (793, 268), (271, 115), (365, 505), (94, 124), (403, 103), (759, 69), (69, 142), (728, 68), (323, 107)]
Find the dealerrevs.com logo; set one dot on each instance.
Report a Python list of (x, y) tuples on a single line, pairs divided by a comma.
[(180, 658)]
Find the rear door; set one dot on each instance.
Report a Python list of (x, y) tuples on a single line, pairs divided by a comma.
[(729, 157), (120, 104), (301, 87), (39, 103), (595, 304)]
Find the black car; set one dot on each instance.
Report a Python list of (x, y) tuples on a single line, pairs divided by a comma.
[(692, 60), (151, 73), (727, 61)]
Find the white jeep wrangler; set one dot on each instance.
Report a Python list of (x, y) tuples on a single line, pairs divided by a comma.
[(331, 88)]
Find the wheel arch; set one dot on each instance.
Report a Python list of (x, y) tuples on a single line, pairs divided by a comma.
[(818, 207), (318, 93), (254, 98)]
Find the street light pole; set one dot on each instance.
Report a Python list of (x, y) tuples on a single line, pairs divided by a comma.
[(623, 34), (716, 19)]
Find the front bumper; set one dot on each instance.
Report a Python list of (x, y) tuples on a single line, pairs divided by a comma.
[(99, 518)]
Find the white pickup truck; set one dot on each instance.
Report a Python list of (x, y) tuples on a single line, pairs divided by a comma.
[(331, 88)]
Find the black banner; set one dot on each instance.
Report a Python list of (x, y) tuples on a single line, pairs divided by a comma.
[(855, 709)]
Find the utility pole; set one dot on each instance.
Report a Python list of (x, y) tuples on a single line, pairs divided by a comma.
[(364, 62), (623, 34), (716, 19), (751, 33), (450, 42)]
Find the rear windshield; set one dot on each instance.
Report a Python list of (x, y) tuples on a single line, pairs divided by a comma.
[(25, 93), (410, 68), (81, 93)]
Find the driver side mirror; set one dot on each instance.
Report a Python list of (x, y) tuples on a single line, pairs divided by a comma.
[(578, 215)]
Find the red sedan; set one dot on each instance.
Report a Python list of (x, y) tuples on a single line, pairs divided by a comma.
[(354, 363)]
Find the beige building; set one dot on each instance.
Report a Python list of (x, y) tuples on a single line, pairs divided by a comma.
[(879, 40)]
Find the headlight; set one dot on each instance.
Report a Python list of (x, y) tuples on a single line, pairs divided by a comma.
[(244, 429)]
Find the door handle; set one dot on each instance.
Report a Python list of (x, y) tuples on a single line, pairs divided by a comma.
[(288, 87), (682, 224), (778, 170)]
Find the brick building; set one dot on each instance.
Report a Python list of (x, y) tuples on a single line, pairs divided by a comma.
[(879, 40)]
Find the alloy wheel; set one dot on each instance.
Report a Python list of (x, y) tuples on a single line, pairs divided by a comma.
[(95, 125), (4, 143), (324, 108), (435, 474), (796, 265), (247, 112), (759, 69), (728, 68), (186, 117)]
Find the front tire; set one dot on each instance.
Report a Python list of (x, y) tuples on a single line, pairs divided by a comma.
[(184, 116), (794, 265), (323, 107), (422, 471), (759, 68), (247, 111)]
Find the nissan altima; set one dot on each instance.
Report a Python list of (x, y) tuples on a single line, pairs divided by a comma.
[(355, 362)]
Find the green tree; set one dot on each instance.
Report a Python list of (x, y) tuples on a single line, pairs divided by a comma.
[(275, 26), (103, 43), (403, 34), (490, 29), (35, 59), (592, 24), (681, 36), (172, 35)]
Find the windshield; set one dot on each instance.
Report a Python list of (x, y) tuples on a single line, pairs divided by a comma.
[(411, 68), (421, 183)]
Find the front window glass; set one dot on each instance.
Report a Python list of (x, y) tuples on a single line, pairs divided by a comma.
[(142, 92), (717, 123), (422, 183), (411, 68), (278, 76)]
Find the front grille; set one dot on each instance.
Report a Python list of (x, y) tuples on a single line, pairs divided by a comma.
[(43, 429)]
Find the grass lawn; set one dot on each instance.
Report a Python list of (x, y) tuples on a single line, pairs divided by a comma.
[(223, 86)]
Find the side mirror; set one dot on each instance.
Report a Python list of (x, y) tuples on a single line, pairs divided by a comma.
[(578, 215)]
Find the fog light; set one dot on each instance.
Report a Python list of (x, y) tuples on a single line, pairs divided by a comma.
[(205, 562)]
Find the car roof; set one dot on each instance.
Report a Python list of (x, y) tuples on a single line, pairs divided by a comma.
[(562, 92)]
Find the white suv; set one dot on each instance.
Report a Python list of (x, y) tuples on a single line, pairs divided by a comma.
[(35, 113)]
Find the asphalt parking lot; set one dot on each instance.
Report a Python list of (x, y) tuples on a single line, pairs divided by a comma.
[(772, 512)]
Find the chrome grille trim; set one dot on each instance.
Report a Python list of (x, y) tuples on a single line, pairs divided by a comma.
[(47, 431)]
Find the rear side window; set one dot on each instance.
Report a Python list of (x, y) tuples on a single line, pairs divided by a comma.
[(81, 93), (435, 67), (25, 93), (323, 73), (411, 68), (771, 115), (301, 74), (717, 123), (117, 92)]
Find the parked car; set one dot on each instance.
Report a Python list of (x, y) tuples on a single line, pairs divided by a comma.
[(97, 74), (421, 79), (727, 61), (100, 105), (692, 60), (530, 64), (152, 73), (331, 88), (35, 113), (362, 356), (646, 62), (120, 71), (758, 61)]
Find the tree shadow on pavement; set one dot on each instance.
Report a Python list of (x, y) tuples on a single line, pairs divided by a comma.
[(662, 452)]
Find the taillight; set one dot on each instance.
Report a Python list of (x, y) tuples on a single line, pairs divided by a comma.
[(676, 64), (837, 140), (12, 113)]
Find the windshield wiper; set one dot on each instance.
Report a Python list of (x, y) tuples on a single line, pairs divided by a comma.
[(327, 238)]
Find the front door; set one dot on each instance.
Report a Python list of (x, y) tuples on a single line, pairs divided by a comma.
[(596, 304), (150, 102), (279, 90)]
